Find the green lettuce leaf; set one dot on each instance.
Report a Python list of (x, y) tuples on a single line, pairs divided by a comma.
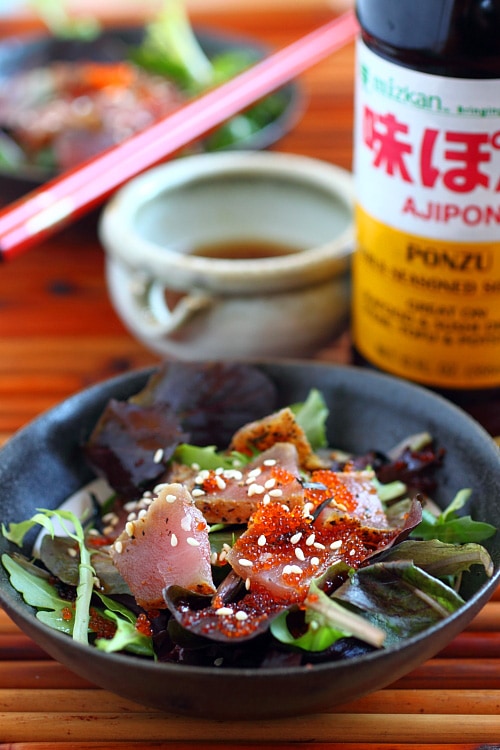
[(452, 528)]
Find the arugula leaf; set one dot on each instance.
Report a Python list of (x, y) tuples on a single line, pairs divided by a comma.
[(126, 637), (44, 518), (452, 528), (33, 583)]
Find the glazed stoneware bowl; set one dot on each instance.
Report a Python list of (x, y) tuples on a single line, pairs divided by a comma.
[(42, 465)]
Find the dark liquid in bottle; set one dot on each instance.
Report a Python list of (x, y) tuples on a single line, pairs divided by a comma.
[(456, 38)]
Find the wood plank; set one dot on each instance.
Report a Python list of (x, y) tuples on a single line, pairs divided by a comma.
[(150, 726), (159, 745)]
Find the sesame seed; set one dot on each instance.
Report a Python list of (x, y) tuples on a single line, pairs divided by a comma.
[(72, 552), (110, 518), (292, 570), (254, 472), (296, 537), (315, 561), (186, 523), (306, 511), (224, 611), (269, 462), (198, 492), (266, 500), (336, 544), (276, 493), (130, 506), (240, 615), (255, 489), (285, 508), (195, 466), (108, 530), (158, 456), (192, 541), (131, 516), (93, 532), (214, 558), (245, 563), (173, 540), (170, 498), (247, 584), (233, 474), (159, 487), (270, 483), (222, 555), (142, 513), (318, 545), (202, 476), (118, 547), (310, 539), (262, 541), (130, 528), (299, 554), (220, 482), (352, 552)]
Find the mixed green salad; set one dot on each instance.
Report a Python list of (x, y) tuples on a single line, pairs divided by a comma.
[(234, 535)]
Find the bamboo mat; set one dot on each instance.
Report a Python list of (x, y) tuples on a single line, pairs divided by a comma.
[(452, 702)]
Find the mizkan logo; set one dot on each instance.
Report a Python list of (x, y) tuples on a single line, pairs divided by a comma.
[(455, 259)]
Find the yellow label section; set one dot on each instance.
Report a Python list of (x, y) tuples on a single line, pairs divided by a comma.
[(425, 309)]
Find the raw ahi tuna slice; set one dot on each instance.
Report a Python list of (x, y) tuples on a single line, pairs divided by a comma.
[(231, 496), (355, 493), (283, 549), (167, 544)]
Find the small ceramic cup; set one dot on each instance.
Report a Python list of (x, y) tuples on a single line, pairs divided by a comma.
[(187, 305)]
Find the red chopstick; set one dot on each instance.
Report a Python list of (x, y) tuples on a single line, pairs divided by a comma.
[(73, 193)]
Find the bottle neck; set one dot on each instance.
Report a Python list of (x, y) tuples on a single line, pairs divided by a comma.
[(457, 38)]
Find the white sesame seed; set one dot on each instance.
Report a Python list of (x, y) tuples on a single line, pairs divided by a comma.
[(186, 523), (247, 584), (93, 532), (159, 487), (72, 552), (352, 552), (276, 492), (337, 544), (233, 474), (142, 513), (173, 540), (158, 456), (299, 554), (131, 516), (285, 508), (192, 541), (108, 530), (315, 561), (130, 528), (266, 500), (318, 545), (270, 483), (202, 476), (226, 547), (214, 558), (292, 570), (255, 489), (224, 611), (296, 537), (306, 511), (222, 555), (240, 615), (118, 547), (198, 492), (110, 518), (254, 472), (130, 506), (262, 541), (170, 498), (245, 563), (195, 466), (269, 462), (220, 482), (310, 539)]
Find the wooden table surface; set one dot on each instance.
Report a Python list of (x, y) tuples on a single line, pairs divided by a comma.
[(58, 334)]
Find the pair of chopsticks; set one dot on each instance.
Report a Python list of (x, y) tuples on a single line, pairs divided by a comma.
[(74, 193)]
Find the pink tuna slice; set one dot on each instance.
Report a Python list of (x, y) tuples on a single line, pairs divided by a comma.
[(232, 496), (167, 545)]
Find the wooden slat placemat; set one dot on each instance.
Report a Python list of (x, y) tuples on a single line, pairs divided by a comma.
[(452, 701)]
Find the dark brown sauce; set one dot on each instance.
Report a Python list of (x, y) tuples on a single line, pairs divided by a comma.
[(251, 249)]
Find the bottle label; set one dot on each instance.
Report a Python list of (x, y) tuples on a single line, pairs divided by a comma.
[(426, 273)]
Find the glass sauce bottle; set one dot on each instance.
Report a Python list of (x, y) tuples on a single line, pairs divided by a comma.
[(426, 273)]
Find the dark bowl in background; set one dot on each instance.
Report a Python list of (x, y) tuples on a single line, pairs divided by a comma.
[(42, 465), (22, 53)]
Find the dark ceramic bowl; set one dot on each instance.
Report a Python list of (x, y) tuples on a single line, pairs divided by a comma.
[(24, 53), (42, 465)]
